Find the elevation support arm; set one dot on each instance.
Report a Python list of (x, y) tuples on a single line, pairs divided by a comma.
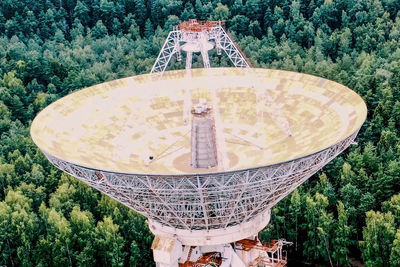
[(225, 42), (170, 47)]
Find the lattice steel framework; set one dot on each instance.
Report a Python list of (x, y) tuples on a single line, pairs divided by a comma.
[(207, 201), (201, 31)]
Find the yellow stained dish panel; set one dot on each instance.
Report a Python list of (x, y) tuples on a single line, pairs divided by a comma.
[(116, 126)]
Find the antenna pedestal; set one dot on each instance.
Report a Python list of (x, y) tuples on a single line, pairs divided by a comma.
[(235, 246), (215, 236), (209, 213)]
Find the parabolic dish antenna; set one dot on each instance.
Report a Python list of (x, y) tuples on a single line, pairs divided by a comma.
[(130, 139), (117, 126)]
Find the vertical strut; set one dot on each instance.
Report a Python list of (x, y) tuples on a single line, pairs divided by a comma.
[(189, 56), (188, 95), (204, 52)]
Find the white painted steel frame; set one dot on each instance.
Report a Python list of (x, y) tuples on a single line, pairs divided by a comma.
[(218, 34), (205, 201), (170, 47), (225, 42)]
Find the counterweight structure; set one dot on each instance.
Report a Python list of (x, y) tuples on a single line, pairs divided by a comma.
[(197, 152)]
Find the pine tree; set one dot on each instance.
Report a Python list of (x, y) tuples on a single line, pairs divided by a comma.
[(81, 12), (148, 29), (140, 13), (134, 259), (99, 30)]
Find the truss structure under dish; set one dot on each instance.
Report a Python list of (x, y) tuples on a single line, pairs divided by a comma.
[(207, 201)]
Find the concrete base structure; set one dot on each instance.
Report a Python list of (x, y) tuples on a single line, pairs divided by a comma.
[(235, 246)]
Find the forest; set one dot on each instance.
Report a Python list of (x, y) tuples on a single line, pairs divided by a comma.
[(347, 213)]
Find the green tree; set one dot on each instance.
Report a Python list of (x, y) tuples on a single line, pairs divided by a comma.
[(58, 238), (325, 235), (140, 14), (63, 199), (82, 194), (7, 177), (325, 188), (148, 29), (47, 23), (253, 10), (99, 31), (367, 203), (268, 19), (188, 12), (157, 15), (107, 12), (36, 194), (319, 225), (81, 12), (239, 24), (108, 243), (82, 237), (378, 236), (134, 259), (395, 253), (221, 12), (171, 21), (5, 117), (131, 27), (237, 8), (342, 237), (393, 206), (201, 12), (18, 227), (13, 94), (255, 29), (295, 215), (6, 248)]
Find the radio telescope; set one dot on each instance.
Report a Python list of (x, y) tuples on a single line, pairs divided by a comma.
[(204, 154)]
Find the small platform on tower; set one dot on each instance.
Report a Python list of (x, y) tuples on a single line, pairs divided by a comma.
[(193, 25)]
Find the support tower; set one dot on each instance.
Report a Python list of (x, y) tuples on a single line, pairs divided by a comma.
[(198, 36)]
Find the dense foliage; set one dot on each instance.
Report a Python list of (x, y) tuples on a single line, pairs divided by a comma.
[(49, 48)]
